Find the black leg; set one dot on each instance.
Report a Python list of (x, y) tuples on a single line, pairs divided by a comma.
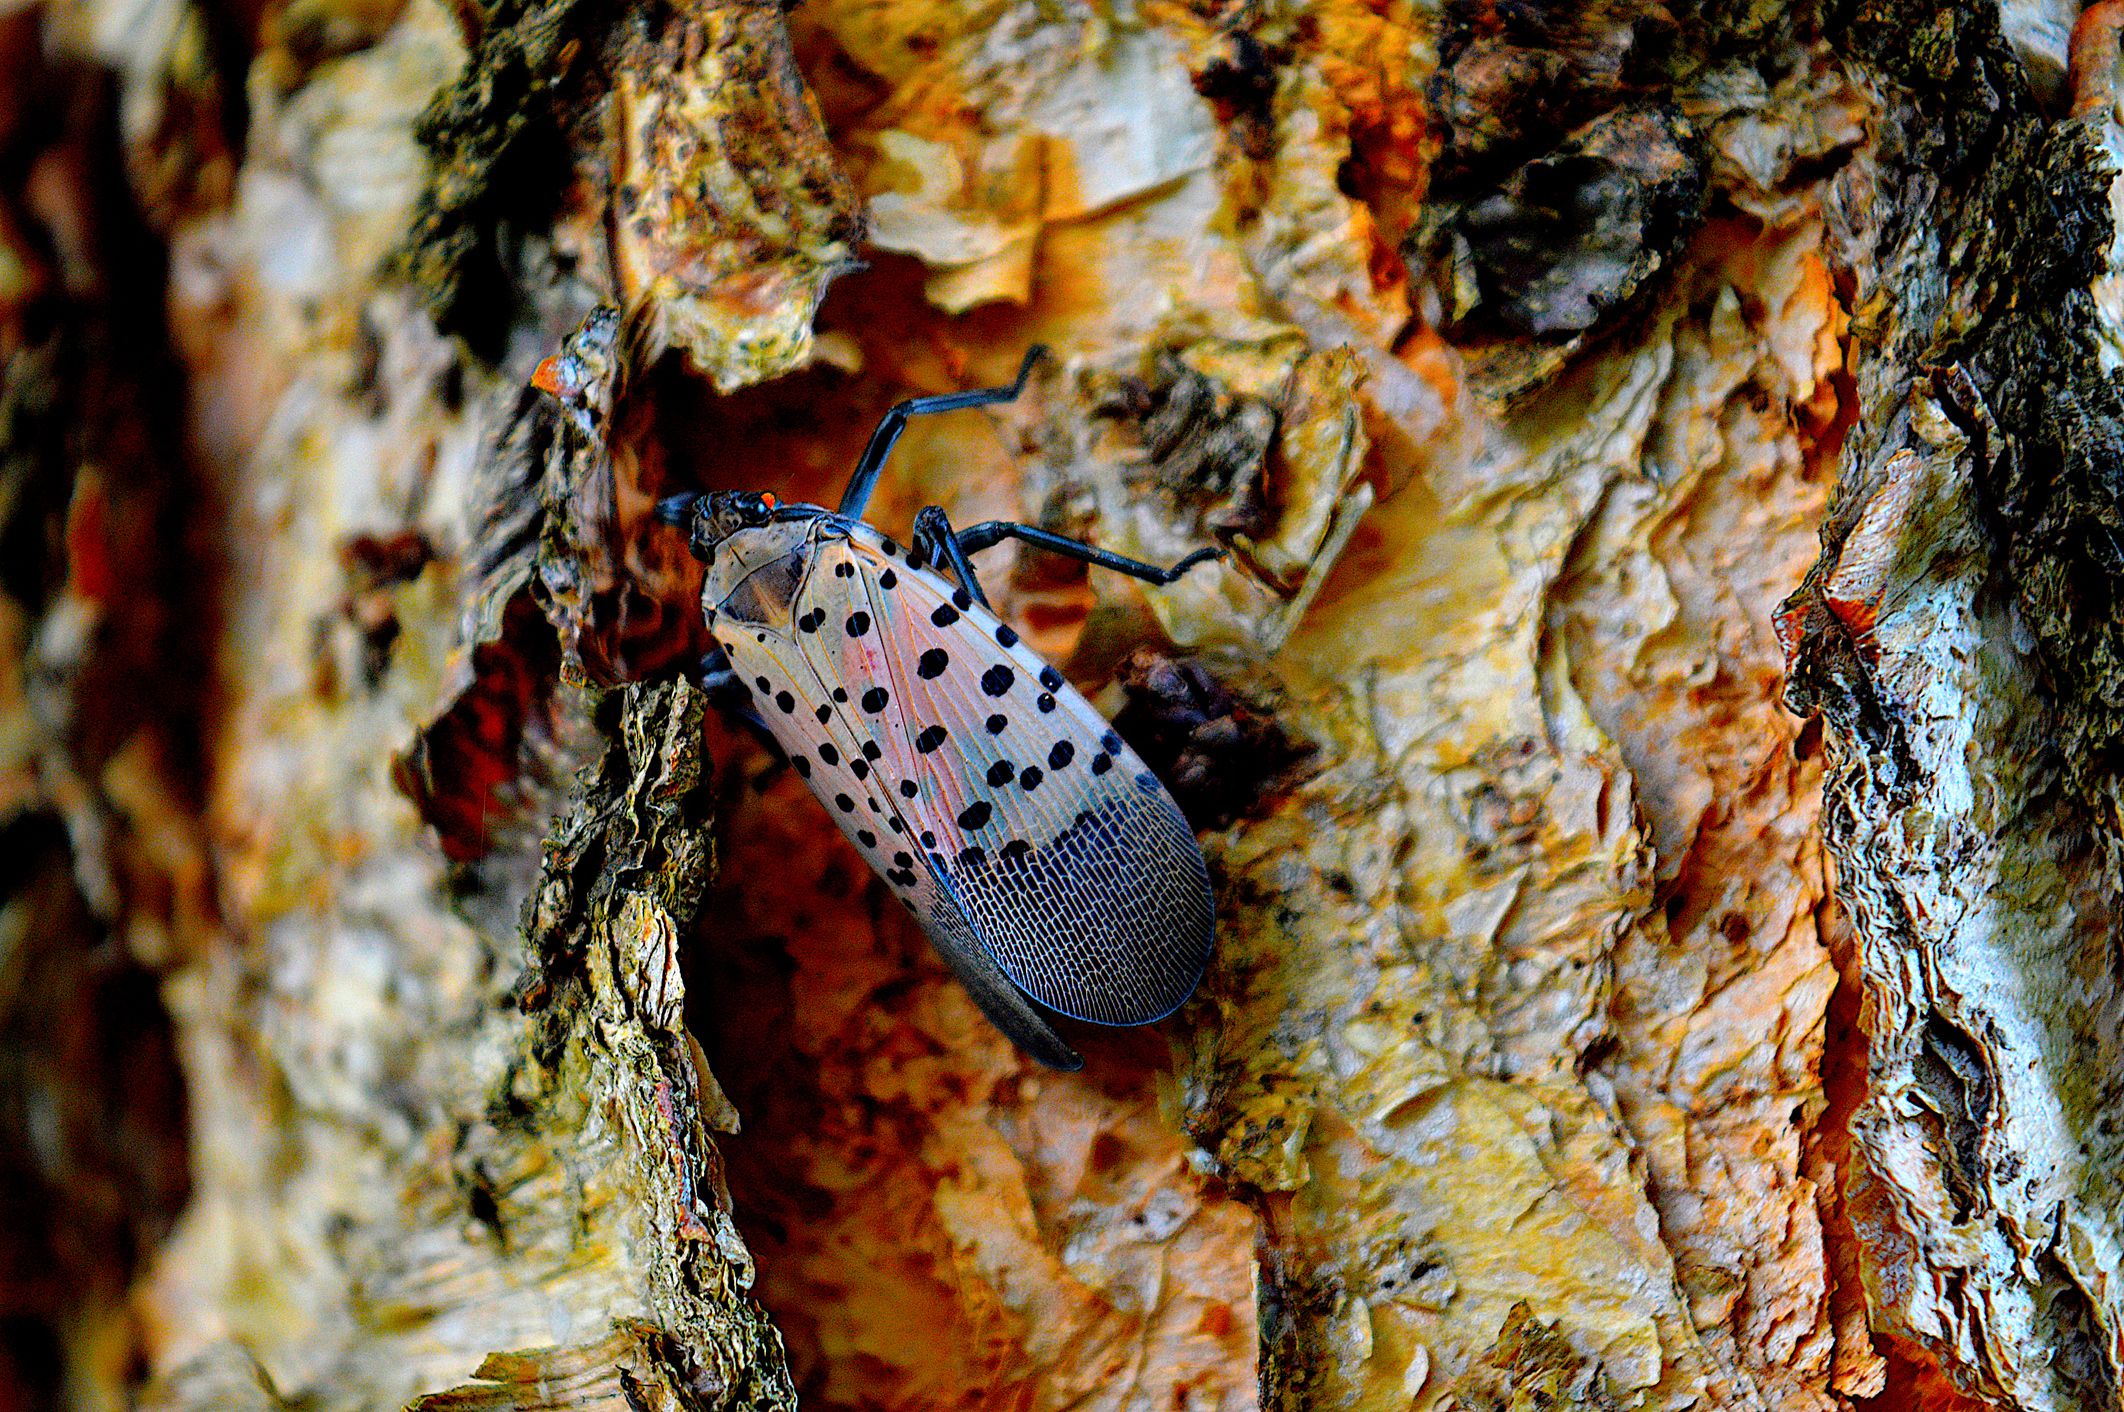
[(729, 695), (936, 543), (865, 479), (975, 538), (718, 680)]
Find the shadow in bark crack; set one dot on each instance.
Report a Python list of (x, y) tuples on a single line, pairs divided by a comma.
[(937, 1221)]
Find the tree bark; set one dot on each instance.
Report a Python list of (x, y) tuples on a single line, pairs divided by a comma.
[(1654, 732)]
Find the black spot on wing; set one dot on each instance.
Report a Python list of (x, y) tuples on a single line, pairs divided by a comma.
[(997, 679), (1093, 899)]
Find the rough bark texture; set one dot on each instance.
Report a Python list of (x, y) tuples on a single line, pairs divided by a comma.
[(1958, 637), (1656, 733)]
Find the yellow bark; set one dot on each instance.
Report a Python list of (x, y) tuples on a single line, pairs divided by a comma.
[(543, 1045)]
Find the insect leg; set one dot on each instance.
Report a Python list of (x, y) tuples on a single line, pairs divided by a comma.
[(718, 680), (727, 693), (865, 479), (975, 538), (935, 542)]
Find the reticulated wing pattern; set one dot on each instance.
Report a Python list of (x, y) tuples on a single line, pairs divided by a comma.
[(819, 725), (1077, 871)]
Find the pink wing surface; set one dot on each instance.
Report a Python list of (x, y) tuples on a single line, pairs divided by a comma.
[(819, 725), (1034, 826)]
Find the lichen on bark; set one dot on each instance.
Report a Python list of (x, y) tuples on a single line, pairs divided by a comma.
[(1955, 634), (1512, 356)]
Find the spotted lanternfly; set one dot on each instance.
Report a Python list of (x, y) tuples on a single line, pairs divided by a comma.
[(1044, 860)]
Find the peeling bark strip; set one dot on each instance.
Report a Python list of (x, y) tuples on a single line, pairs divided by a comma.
[(718, 215), (633, 1370), (622, 875), (1960, 636), (730, 213), (1510, 346)]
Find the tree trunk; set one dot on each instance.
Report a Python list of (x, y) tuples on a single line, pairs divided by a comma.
[(1655, 730)]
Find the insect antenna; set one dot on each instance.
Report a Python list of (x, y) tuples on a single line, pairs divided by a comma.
[(673, 509)]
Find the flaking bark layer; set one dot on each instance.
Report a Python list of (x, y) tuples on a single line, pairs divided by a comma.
[(1513, 356), (1956, 635)]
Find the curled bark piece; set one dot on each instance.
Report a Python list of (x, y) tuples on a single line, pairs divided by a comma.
[(729, 213), (684, 173), (1537, 1061), (1957, 637), (632, 1370)]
